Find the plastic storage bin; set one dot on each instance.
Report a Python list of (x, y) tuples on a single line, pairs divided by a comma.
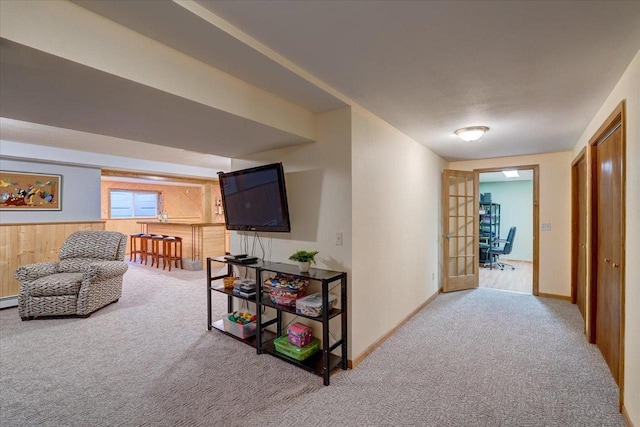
[(241, 331), (312, 305), (299, 334), (299, 353), (285, 289), (284, 300), (286, 281)]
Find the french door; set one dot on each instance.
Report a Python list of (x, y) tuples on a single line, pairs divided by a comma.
[(460, 229)]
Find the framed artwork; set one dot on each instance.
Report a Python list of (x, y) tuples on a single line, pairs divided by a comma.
[(30, 191)]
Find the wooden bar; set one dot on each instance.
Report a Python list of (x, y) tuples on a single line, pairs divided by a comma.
[(199, 240)]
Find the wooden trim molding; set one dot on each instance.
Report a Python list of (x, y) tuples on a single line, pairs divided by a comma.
[(626, 417), (536, 217), (555, 296), (581, 157), (154, 177), (576, 225), (355, 362), (11, 224)]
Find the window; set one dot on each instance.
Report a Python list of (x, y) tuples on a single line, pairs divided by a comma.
[(134, 204)]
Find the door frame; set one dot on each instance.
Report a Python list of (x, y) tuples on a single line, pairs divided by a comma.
[(575, 224), (617, 115), (536, 216)]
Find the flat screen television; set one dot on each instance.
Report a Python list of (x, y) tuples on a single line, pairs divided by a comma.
[(255, 199)]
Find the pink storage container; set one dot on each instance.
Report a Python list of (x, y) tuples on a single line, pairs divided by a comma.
[(299, 334), (287, 300)]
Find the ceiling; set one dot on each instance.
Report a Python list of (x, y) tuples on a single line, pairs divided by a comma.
[(68, 95), (535, 73)]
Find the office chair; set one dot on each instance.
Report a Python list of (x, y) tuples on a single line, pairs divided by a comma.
[(495, 251)]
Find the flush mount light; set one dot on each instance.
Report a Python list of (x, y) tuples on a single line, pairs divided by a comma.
[(472, 133), (511, 174)]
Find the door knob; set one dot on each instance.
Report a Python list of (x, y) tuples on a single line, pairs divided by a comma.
[(607, 260), (615, 265)]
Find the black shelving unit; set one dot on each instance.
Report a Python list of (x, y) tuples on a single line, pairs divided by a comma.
[(323, 362), (489, 217), (490, 220), (219, 324)]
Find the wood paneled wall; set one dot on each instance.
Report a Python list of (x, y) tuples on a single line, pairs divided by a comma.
[(184, 203), (29, 243), (180, 202), (124, 226)]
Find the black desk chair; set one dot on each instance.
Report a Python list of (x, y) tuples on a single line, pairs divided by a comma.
[(495, 251)]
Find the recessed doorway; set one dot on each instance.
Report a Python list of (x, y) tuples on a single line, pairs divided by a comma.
[(508, 224)]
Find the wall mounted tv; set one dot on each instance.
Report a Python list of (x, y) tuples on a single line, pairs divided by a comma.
[(255, 199)]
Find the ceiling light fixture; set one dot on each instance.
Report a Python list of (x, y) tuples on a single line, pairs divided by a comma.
[(511, 174), (471, 133)]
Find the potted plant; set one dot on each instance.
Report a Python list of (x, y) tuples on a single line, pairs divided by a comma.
[(304, 259)]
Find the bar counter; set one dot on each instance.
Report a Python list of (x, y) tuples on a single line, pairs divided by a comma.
[(199, 240)]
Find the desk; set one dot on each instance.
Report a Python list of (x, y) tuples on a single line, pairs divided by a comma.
[(199, 240)]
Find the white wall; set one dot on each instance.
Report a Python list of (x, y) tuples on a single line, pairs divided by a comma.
[(318, 180), (628, 87), (382, 190), (555, 208), (396, 228), (516, 210), (80, 194)]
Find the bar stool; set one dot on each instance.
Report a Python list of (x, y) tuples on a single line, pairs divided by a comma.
[(155, 249), (171, 251), (135, 241), (145, 247)]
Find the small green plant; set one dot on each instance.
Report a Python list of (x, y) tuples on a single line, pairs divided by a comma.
[(304, 256)]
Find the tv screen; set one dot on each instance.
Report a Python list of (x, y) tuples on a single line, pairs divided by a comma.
[(255, 199)]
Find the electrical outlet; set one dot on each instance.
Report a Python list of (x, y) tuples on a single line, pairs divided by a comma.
[(339, 238), (546, 226)]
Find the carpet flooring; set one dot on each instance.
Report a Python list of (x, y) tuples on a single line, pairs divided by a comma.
[(472, 358)]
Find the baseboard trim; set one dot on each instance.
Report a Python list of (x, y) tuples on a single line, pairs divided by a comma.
[(554, 296), (355, 362), (9, 302), (625, 415)]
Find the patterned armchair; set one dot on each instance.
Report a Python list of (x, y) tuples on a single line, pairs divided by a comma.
[(87, 277)]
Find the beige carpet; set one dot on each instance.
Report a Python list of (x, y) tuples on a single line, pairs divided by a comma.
[(472, 358)]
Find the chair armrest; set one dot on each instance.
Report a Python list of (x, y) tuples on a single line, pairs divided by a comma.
[(104, 270), (30, 272)]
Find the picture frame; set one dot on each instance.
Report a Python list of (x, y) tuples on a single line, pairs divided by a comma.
[(29, 191)]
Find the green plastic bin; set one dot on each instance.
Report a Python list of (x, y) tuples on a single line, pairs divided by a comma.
[(299, 353)]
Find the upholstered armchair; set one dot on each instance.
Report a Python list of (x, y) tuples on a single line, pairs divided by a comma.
[(87, 277)]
